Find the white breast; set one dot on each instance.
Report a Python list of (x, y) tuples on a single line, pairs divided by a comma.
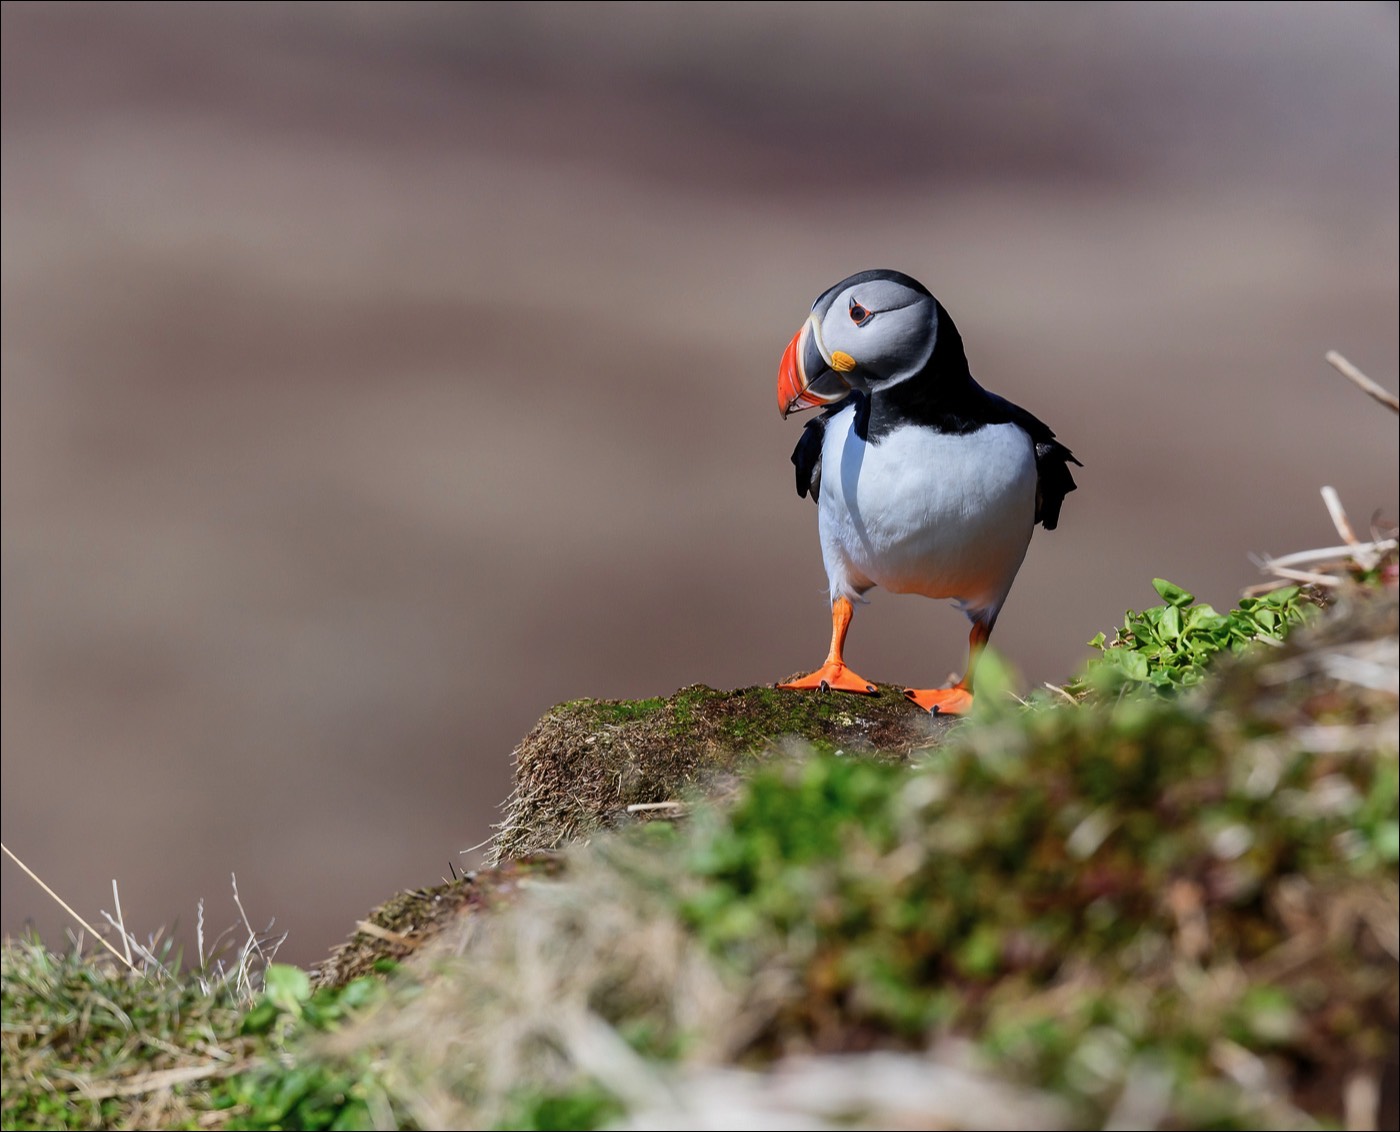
[(927, 512)]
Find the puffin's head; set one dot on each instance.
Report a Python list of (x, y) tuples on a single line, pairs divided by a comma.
[(868, 332)]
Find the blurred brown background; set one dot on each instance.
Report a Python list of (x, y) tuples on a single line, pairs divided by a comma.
[(377, 375)]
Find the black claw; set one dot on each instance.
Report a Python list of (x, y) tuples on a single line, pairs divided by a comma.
[(870, 688), (824, 686)]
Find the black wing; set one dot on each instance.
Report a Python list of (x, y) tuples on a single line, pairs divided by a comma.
[(1052, 461), (807, 456)]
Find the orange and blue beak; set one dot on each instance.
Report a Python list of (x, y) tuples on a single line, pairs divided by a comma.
[(806, 378)]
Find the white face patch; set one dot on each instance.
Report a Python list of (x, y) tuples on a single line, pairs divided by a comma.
[(888, 328), (833, 383), (816, 324)]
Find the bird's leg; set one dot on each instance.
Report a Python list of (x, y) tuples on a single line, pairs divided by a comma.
[(834, 673), (956, 700)]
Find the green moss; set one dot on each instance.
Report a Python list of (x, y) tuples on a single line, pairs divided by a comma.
[(584, 1106), (621, 711)]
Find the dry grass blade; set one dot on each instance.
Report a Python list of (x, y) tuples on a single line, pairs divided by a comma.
[(121, 921), (1307, 577), (64, 905), (1331, 565), (1362, 382), (148, 954), (1339, 515), (369, 927), (263, 946), (162, 1079), (1332, 553)]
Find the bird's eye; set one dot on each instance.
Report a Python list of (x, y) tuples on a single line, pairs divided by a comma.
[(858, 313)]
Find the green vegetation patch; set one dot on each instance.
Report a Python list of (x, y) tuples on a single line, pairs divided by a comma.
[(1171, 645), (88, 1044), (995, 892), (281, 1091)]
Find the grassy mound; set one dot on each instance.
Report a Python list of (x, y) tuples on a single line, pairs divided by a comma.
[(1169, 903)]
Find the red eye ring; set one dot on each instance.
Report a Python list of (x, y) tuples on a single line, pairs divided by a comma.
[(858, 313)]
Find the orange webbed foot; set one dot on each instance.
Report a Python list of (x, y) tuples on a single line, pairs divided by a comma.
[(941, 701), (833, 676)]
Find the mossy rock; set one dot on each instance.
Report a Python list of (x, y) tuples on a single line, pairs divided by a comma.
[(585, 762)]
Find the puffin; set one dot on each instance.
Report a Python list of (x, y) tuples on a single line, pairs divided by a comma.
[(925, 483)]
